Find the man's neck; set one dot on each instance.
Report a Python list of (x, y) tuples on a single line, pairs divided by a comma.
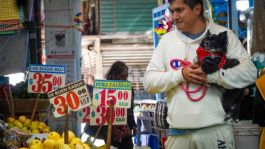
[(198, 28)]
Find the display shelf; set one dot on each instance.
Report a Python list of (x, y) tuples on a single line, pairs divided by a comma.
[(146, 125)]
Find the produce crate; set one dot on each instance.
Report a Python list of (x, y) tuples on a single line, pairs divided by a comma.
[(25, 107)]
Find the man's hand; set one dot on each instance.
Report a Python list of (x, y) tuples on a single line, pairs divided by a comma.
[(194, 74)]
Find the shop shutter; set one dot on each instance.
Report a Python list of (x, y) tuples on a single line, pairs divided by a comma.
[(135, 51), (131, 16)]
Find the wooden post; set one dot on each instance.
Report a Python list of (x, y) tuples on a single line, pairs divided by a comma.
[(109, 125), (35, 107), (66, 126), (258, 37), (9, 100)]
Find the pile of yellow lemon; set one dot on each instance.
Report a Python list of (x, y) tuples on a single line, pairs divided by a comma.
[(55, 141), (27, 125)]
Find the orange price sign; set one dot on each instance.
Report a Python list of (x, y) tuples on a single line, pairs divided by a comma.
[(45, 78), (74, 95), (100, 115)]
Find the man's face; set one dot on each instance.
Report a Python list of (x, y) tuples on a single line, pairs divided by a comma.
[(183, 16)]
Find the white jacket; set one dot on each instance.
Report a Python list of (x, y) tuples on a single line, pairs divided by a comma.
[(160, 77)]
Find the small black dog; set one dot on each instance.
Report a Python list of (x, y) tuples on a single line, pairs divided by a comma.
[(211, 55)]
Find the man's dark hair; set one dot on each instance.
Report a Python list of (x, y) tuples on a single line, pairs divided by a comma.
[(191, 4)]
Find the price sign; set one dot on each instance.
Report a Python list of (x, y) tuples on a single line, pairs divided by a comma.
[(100, 115), (45, 78), (117, 91), (74, 95), (84, 114)]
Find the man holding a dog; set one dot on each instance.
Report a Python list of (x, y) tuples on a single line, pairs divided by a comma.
[(196, 115)]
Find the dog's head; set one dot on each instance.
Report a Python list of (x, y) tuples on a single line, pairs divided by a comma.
[(215, 42)]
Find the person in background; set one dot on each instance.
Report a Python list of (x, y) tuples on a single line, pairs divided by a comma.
[(122, 134), (90, 83), (196, 124)]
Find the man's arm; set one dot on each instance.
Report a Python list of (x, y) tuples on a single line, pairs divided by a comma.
[(157, 78)]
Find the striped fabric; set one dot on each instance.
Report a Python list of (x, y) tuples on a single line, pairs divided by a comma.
[(10, 17)]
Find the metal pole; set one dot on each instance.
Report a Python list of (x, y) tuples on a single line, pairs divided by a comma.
[(32, 42)]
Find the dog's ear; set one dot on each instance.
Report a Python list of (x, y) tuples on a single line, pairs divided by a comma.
[(223, 35), (222, 40)]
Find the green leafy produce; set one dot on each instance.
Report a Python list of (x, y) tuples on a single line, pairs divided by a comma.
[(21, 91)]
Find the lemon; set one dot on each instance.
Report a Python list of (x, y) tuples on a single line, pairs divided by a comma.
[(25, 129), (50, 144), (78, 146), (22, 118), (10, 119), (35, 142), (60, 142), (41, 126), (71, 135), (27, 123), (64, 146), (18, 124), (46, 130), (36, 147), (74, 142), (34, 123), (86, 146), (10, 125), (35, 131), (54, 135), (32, 127)]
